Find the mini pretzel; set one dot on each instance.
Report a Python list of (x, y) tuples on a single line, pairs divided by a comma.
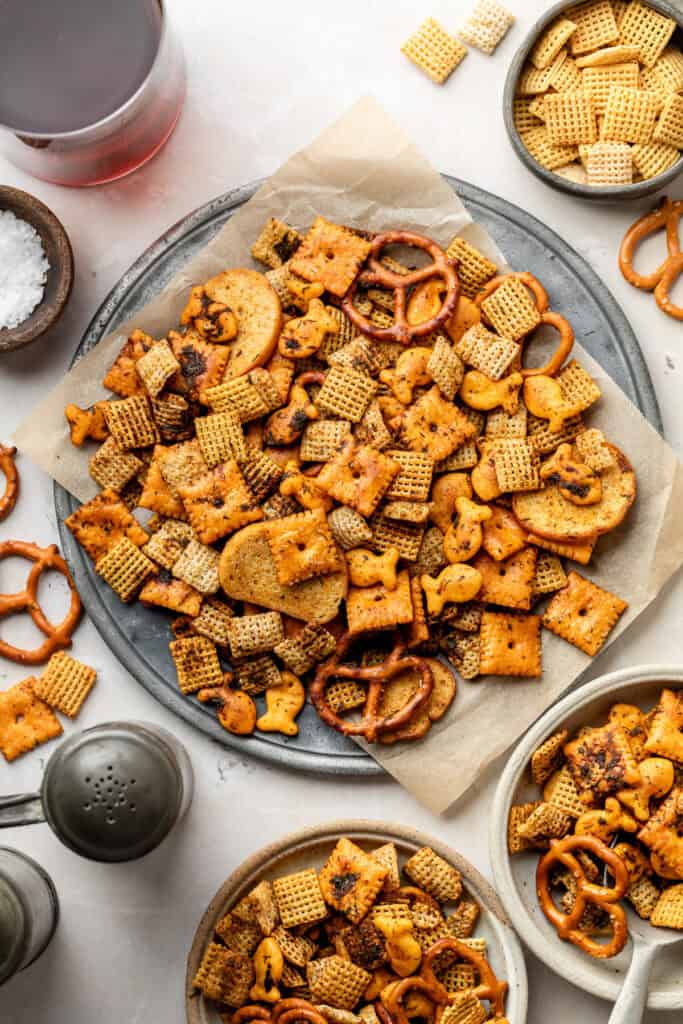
[(9, 498), (489, 987), (250, 1014), (288, 1010), (372, 723), (563, 349), (605, 897), (432, 989), (377, 274), (56, 637), (533, 284), (660, 280)]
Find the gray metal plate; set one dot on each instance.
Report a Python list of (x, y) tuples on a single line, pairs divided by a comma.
[(139, 636)]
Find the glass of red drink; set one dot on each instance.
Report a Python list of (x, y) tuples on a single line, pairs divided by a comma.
[(89, 89)]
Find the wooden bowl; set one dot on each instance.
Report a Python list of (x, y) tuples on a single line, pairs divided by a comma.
[(59, 277), (311, 848)]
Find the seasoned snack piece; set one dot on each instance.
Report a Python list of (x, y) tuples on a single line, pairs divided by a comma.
[(25, 720), (548, 514), (163, 591), (346, 393), (358, 476), (321, 439), (156, 367), (550, 575), (583, 613), (601, 763), (349, 528), (237, 711), (302, 546), (256, 675), (196, 663), (435, 875), (345, 695), (124, 568), (508, 583), (665, 733), (414, 480), (366, 568), (434, 51), (434, 426), (350, 880), (301, 337), (276, 244), (198, 566), (662, 836), (455, 584), (561, 791), (220, 438), (299, 902), (335, 981), (377, 607), (330, 254), (238, 936), (224, 976), (111, 467), (219, 502), (445, 368), (296, 949), (85, 424), (130, 422), (510, 309), (257, 308), (102, 521), (519, 815), (668, 913), (510, 645), (487, 352), (122, 377), (261, 473), (167, 544), (254, 634), (502, 534), (65, 684), (157, 495), (474, 269)]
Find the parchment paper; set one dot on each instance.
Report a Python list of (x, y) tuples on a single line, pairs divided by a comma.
[(363, 171)]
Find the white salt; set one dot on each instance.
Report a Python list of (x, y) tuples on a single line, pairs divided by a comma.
[(23, 269)]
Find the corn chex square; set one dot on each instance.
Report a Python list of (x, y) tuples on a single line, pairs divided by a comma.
[(609, 163), (196, 663), (65, 683), (124, 568), (595, 26), (630, 115), (570, 118), (647, 29), (434, 51), (112, 467), (549, 44), (474, 269), (669, 130), (299, 899), (510, 309), (130, 422), (156, 367)]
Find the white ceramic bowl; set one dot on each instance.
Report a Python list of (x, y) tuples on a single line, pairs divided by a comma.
[(515, 876), (311, 847)]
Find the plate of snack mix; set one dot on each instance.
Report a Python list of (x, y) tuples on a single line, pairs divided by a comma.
[(354, 922), (586, 831), (593, 99), (300, 447)]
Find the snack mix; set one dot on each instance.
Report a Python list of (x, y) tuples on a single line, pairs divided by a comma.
[(352, 944), (609, 826), (599, 99), (351, 471)]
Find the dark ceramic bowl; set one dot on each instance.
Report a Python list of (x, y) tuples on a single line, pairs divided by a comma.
[(59, 277), (599, 193)]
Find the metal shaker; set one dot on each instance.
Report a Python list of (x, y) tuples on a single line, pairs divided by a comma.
[(29, 911), (110, 793)]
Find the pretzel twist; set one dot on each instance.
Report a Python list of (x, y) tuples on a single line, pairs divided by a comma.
[(377, 274), (56, 637), (564, 346), (660, 281), (11, 493), (249, 1014), (532, 283), (603, 896), (393, 999), (489, 987), (294, 1008), (372, 723)]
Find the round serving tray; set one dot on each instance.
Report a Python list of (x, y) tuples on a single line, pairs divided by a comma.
[(311, 848), (139, 636)]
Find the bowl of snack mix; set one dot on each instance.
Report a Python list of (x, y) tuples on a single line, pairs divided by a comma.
[(355, 922), (592, 798), (593, 100)]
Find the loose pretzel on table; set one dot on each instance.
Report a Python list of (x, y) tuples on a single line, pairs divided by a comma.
[(9, 498), (660, 281), (377, 274), (605, 897), (372, 723), (56, 637)]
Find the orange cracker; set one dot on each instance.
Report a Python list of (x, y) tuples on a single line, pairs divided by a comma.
[(435, 426), (601, 762), (157, 495), (299, 899), (507, 583), (202, 364), (330, 254), (163, 591), (196, 663), (583, 613), (665, 736), (122, 377), (358, 476), (351, 879), (303, 546), (25, 720), (376, 607), (575, 551), (510, 644), (65, 683), (219, 502), (102, 521)]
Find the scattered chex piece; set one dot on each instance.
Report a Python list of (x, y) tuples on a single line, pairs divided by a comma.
[(434, 51), (65, 683), (487, 26)]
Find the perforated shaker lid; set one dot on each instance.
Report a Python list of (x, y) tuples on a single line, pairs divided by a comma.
[(113, 792)]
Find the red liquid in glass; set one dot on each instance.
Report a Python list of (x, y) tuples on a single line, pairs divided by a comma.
[(67, 64)]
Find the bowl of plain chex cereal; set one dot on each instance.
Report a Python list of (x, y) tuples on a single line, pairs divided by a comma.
[(593, 102)]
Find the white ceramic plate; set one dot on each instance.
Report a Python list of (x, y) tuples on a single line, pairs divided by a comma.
[(311, 847), (515, 876)]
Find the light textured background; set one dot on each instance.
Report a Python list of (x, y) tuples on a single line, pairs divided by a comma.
[(264, 77)]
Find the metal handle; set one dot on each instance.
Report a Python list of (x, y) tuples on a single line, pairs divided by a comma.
[(21, 809), (630, 1005)]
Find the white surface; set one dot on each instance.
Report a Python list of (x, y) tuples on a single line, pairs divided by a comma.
[(264, 77)]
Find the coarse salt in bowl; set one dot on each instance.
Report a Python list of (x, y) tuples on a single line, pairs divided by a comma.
[(23, 269)]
